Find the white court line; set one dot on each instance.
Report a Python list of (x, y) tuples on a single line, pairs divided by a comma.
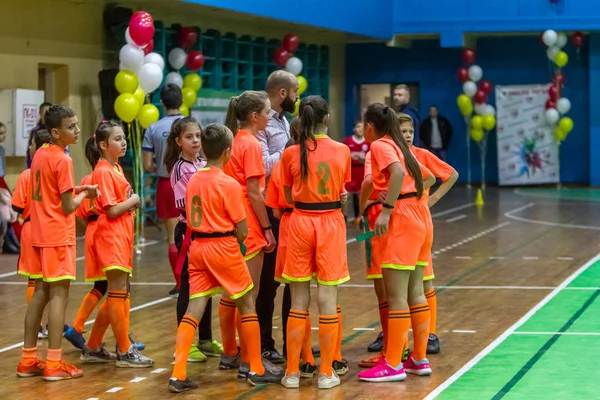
[(114, 390), (565, 258), (463, 331), (158, 370), (6, 275), (451, 210), (136, 380), (457, 218), (559, 333), (364, 329), (531, 258), (463, 257), (465, 368), (547, 223), (497, 258)]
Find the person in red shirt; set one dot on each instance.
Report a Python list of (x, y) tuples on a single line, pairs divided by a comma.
[(359, 147)]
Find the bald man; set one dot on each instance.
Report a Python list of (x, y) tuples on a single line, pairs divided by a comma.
[(282, 88)]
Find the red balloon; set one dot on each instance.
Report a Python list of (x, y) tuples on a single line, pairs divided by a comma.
[(149, 47), (290, 42), (480, 97), (553, 93), (577, 39), (187, 37), (281, 56), (550, 104), (468, 56), (141, 28), (559, 78), (195, 61), (463, 74), (486, 86)]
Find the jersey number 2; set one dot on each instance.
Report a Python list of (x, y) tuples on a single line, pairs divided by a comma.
[(324, 173), (196, 217), (36, 188)]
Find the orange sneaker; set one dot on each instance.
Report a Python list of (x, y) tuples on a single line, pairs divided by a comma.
[(29, 369), (63, 371), (371, 361)]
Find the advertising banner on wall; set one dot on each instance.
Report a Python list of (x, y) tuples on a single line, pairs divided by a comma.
[(527, 151), (211, 106)]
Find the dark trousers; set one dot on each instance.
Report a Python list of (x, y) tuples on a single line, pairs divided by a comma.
[(439, 153), (205, 326), (265, 302)]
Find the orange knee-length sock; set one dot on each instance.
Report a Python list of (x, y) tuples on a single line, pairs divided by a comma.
[(307, 354), (328, 331), (185, 336), (419, 316), (398, 325), (250, 331), (227, 313), (30, 289), (90, 301), (116, 316), (243, 348), (383, 318), (99, 329), (295, 336), (432, 301), (337, 356), (127, 310)]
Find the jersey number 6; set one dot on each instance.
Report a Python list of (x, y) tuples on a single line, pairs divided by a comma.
[(196, 215)]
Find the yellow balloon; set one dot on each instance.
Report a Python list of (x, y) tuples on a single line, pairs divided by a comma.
[(466, 109), (127, 107), (477, 122), (561, 59), (189, 96), (184, 110), (148, 115), (566, 125), (193, 81), (140, 96), (302, 84), (477, 135), (126, 82), (559, 135), (463, 100), (489, 122), (296, 108)]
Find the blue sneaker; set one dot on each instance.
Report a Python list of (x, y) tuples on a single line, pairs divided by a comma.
[(75, 338), (139, 346)]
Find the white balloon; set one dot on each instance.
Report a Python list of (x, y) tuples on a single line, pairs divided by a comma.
[(475, 73), (294, 66), (480, 109), (155, 58), (131, 57), (150, 77), (561, 40), (177, 58), (550, 38), (563, 105), (128, 38), (470, 88), (552, 52), (174, 78), (489, 110), (552, 116)]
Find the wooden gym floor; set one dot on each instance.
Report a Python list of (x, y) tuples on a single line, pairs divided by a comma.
[(517, 283)]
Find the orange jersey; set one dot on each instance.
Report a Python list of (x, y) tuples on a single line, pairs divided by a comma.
[(275, 193), (246, 160), (51, 176), (214, 202), (21, 197), (328, 170), (384, 152), (114, 189), (88, 207), (438, 168), (368, 169)]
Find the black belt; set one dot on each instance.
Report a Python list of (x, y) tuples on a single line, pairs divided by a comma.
[(211, 235), (27, 220), (332, 205), (288, 210), (93, 217), (407, 195)]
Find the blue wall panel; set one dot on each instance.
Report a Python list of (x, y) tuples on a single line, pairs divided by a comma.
[(505, 61)]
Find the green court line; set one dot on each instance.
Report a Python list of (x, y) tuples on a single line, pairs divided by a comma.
[(536, 357)]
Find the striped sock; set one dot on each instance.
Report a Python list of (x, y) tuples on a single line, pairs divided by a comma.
[(90, 301), (185, 336)]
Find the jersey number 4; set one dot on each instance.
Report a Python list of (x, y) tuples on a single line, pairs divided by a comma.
[(324, 172), (196, 214), (36, 188)]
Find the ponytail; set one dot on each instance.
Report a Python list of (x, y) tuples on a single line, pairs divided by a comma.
[(231, 120), (91, 152), (240, 108), (312, 111)]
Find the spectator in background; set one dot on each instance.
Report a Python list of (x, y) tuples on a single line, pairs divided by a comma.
[(3, 184), (435, 133), (358, 149), (40, 125), (9, 242), (401, 104)]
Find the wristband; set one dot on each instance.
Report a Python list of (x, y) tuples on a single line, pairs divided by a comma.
[(389, 207), (268, 228)]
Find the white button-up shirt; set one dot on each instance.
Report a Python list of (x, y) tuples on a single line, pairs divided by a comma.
[(273, 140)]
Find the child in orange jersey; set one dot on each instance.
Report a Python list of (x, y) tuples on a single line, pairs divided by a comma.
[(216, 214), (248, 113), (405, 223), (54, 198), (114, 230), (314, 173), (21, 203)]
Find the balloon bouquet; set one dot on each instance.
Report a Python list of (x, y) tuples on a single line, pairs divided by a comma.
[(484, 120), (193, 61), (283, 56)]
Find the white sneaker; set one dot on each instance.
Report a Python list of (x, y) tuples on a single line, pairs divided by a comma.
[(328, 382), (291, 381)]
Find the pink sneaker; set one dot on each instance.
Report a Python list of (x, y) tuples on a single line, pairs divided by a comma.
[(383, 372), (420, 368)]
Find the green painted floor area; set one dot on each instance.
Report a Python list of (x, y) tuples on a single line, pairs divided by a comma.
[(583, 194), (544, 366)]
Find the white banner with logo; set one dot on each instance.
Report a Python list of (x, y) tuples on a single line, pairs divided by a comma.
[(527, 151)]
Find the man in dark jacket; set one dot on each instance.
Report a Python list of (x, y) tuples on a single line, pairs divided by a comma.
[(435, 133), (401, 104)]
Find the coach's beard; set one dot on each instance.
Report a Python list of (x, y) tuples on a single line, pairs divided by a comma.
[(288, 105)]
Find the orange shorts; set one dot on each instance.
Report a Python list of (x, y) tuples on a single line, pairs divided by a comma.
[(29, 264), (93, 269), (316, 244), (255, 241), (58, 263), (284, 226), (374, 244), (113, 244), (217, 264), (409, 238)]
